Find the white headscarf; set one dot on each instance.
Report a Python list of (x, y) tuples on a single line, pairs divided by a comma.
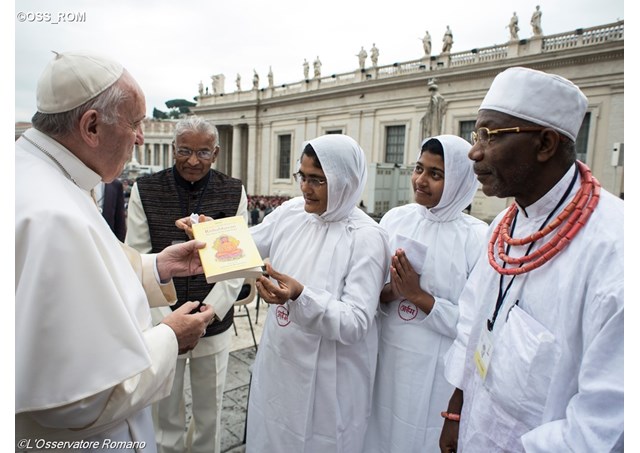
[(345, 168), (460, 182)]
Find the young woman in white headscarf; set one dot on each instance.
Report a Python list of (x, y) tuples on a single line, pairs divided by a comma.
[(313, 375), (419, 305)]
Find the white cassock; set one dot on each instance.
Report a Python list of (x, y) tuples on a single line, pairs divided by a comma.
[(410, 389), (555, 380), (88, 362), (313, 375)]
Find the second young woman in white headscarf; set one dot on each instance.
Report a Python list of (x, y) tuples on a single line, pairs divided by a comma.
[(313, 376), (419, 306)]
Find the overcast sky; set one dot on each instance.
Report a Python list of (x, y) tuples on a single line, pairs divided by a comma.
[(171, 46)]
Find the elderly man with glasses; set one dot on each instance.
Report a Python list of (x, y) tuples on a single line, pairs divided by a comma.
[(538, 360), (157, 201)]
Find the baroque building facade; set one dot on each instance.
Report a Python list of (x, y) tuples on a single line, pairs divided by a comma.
[(389, 109)]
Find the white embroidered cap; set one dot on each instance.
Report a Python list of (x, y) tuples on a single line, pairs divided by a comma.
[(73, 78), (545, 99)]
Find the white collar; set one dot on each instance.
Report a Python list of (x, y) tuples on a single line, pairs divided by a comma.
[(80, 174)]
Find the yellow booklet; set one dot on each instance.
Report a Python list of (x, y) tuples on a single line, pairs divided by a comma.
[(230, 251)]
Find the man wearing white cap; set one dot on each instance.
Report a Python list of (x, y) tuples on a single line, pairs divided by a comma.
[(88, 362), (538, 359)]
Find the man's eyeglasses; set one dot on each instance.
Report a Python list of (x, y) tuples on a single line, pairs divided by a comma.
[(484, 135), (204, 154), (311, 180)]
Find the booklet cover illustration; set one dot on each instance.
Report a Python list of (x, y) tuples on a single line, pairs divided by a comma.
[(230, 251)]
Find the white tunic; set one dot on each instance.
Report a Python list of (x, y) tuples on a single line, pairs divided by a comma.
[(88, 362), (313, 375), (555, 379), (410, 388)]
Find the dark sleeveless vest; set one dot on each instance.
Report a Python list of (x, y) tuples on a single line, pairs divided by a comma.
[(166, 197)]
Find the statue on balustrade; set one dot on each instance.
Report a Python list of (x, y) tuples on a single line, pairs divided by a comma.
[(375, 53), (447, 40), (217, 84), (317, 65), (536, 21), (305, 68), (513, 27), (362, 57), (426, 44)]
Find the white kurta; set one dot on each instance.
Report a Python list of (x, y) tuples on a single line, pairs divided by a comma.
[(410, 388), (313, 375), (207, 361), (88, 363), (555, 380)]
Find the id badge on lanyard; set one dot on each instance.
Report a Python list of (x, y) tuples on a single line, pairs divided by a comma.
[(484, 350)]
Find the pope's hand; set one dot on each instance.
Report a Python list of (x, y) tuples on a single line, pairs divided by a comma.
[(180, 260), (189, 328)]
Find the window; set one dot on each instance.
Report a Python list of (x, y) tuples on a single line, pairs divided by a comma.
[(284, 156), (466, 127), (395, 145), (583, 138), (334, 131)]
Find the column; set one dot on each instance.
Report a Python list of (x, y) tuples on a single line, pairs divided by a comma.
[(254, 180), (236, 152)]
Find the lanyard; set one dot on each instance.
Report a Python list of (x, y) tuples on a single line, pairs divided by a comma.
[(503, 294)]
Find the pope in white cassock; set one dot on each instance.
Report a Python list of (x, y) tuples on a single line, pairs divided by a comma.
[(419, 306), (313, 375), (538, 361), (88, 361)]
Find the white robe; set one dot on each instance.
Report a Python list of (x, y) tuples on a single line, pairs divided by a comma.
[(410, 388), (313, 375), (555, 380), (88, 363)]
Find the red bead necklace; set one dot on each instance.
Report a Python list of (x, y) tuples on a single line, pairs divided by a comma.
[(576, 214)]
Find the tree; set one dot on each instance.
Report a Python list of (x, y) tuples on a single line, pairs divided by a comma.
[(181, 104), (159, 114), (177, 109)]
